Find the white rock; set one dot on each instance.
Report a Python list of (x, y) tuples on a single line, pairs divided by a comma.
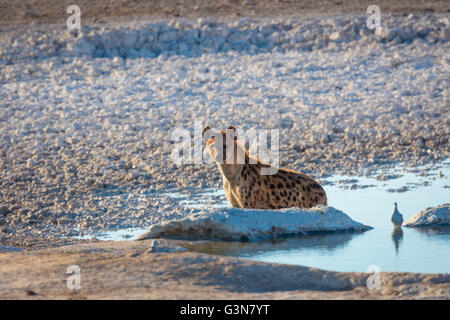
[(245, 224), (162, 247), (334, 36), (437, 216)]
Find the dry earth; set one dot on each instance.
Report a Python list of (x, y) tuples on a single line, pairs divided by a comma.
[(50, 11)]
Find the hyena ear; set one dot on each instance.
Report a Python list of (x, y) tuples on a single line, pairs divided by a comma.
[(206, 133), (232, 130)]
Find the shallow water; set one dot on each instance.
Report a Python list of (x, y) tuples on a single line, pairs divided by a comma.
[(365, 199), (9, 249), (406, 249)]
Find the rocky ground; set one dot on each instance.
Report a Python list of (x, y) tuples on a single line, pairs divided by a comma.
[(87, 117)]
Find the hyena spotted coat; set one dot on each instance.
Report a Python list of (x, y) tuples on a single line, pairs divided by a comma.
[(246, 187)]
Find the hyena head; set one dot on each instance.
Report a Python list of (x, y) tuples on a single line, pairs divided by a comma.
[(228, 154)]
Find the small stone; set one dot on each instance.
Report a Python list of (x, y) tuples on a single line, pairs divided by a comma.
[(31, 293), (157, 246), (4, 211), (334, 36)]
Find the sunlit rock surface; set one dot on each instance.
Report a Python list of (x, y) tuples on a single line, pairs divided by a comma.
[(244, 224), (437, 216)]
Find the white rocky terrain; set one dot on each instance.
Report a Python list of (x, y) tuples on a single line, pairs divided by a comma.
[(431, 217), (86, 117)]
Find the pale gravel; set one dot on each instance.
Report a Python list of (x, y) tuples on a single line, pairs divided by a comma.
[(85, 119)]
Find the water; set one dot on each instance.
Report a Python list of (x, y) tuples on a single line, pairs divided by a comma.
[(115, 235), (366, 200), (406, 249), (9, 249)]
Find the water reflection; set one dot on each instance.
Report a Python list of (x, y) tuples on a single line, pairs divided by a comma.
[(318, 242), (397, 238), (443, 231)]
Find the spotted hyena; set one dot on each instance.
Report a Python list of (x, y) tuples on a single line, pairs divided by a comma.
[(246, 187)]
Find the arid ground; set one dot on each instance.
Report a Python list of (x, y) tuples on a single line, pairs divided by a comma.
[(48, 11)]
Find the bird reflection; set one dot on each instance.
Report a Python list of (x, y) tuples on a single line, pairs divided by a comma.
[(397, 237)]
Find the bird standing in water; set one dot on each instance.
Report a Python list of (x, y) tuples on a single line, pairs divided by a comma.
[(397, 218)]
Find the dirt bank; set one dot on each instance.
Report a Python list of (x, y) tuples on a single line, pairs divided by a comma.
[(48, 11)]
